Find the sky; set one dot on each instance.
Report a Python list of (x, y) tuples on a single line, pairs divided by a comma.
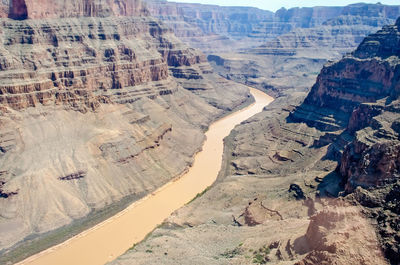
[(274, 5)]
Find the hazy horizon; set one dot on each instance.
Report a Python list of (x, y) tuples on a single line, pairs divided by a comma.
[(275, 5)]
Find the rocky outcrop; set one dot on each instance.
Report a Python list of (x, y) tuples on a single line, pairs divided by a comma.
[(342, 86), (383, 206), (383, 44), (373, 157), (333, 235)]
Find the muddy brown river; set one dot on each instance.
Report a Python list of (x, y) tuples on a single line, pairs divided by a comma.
[(111, 238)]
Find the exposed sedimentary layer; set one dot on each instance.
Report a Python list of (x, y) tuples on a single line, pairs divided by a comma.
[(23, 9), (225, 29), (94, 109)]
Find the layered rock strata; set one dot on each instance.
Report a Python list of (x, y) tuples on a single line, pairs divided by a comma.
[(97, 105), (338, 35), (23, 9), (211, 19), (370, 163), (221, 29)]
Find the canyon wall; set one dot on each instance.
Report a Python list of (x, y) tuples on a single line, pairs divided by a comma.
[(336, 36), (372, 160), (224, 29), (211, 19), (366, 75), (209, 27), (99, 107), (362, 90), (22, 9)]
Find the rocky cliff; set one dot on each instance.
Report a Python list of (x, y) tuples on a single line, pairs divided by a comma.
[(361, 91), (75, 66), (22, 9), (321, 29), (235, 22), (372, 160), (100, 104), (209, 27), (214, 28), (336, 36), (358, 78)]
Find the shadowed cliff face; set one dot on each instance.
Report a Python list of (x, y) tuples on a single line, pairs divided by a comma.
[(98, 102)]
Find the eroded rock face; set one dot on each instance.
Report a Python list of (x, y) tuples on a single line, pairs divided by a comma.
[(383, 44), (95, 107), (22, 9), (211, 19), (383, 205), (209, 27), (75, 68), (372, 159), (221, 29), (342, 86), (370, 165), (337, 35)]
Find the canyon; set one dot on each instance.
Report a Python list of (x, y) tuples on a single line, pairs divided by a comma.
[(103, 102), (125, 228), (97, 110), (313, 179)]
